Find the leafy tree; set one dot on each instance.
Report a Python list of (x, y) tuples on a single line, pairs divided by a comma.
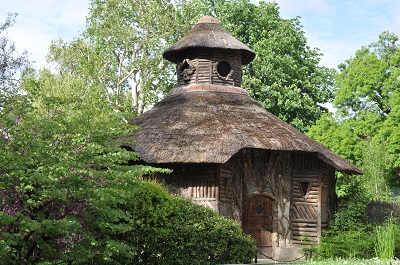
[(121, 52), (367, 81), (366, 129), (285, 76), (128, 38), (53, 154)]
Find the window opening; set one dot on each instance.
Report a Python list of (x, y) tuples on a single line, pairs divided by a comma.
[(224, 70), (304, 188), (259, 209), (186, 69)]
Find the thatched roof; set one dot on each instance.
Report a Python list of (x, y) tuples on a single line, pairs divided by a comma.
[(211, 126), (209, 34)]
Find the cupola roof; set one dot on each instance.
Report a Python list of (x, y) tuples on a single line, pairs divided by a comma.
[(208, 33)]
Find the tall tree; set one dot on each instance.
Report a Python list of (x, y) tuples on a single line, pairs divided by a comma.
[(57, 164), (367, 81), (126, 41), (285, 76), (367, 97), (128, 38)]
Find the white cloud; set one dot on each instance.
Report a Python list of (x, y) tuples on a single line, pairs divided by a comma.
[(41, 21), (299, 7)]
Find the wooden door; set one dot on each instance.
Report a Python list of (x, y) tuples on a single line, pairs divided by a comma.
[(258, 222)]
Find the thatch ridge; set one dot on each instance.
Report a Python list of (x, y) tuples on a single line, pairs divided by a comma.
[(210, 127)]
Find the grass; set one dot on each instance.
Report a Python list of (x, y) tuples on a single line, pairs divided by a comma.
[(385, 237), (354, 262)]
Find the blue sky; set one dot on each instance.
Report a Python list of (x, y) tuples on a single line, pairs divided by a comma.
[(338, 28)]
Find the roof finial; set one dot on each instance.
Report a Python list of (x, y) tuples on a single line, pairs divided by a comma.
[(207, 19)]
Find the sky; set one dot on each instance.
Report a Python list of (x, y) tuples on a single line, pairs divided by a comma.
[(337, 27)]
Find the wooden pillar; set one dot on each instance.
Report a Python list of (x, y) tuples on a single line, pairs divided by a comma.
[(319, 208)]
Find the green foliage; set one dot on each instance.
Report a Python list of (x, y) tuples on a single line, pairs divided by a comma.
[(350, 244), (285, 76), (54, 150), (134, 222), (339, 136), (366, 127), (335, 261), (367, 81), (376, 174), (385, 239), (367, 92), (360, 242), (192, 233), (69, 195), (351, 213)]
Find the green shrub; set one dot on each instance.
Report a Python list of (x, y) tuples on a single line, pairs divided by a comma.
[(336, 243), (360, 242), (164, 229)]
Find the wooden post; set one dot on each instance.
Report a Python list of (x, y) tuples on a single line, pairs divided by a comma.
[(319, 206)]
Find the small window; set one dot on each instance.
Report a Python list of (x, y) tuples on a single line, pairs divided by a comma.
[(186, 69), (259, 209), (224, 70), (304, 188)]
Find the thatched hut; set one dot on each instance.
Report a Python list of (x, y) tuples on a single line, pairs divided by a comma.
[(230, 154)]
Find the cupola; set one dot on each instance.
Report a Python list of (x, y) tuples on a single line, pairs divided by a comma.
[(209, 57)]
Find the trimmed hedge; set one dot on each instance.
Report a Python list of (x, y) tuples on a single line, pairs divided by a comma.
[(140, 223)]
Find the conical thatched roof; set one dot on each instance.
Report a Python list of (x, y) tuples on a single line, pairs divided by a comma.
[(211, 126), (209, 34)]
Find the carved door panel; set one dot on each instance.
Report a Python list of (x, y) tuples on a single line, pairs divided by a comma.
[(258, 221)]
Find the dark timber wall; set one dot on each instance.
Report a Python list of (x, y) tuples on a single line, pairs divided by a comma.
[(282, 199)]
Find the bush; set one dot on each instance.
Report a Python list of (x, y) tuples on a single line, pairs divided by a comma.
[(352, 244), (126, 221), (361, 241), (162, 229), (199, 235)]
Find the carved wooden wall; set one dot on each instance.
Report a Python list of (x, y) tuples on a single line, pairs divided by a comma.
[(328, 194), (197, 182), (312, 198), (230, 197), (261, 173), (199, 67), (299, 188)]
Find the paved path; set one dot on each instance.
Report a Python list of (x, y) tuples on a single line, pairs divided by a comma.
[(270, 261)]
